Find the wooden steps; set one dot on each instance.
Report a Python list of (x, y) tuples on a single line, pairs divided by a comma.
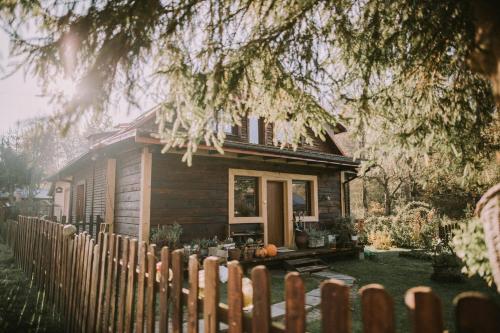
[(306, 265)]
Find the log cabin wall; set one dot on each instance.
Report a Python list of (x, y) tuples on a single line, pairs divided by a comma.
[(93, 175), (127, 193), (197, 197)]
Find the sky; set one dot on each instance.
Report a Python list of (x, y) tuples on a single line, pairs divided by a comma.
[(20, 98)]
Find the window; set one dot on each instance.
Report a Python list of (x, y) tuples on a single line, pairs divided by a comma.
[(246, 196), (255, 129), (301, 194), (224, 122)]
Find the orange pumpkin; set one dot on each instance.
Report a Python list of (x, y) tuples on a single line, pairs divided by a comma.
[(272, 250), (261, 253)]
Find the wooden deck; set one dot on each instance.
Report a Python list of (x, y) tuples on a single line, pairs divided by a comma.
[(299, 254)]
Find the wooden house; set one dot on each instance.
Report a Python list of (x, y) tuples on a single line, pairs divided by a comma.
[(254, 188)]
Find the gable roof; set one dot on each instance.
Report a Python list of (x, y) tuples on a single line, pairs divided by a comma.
[(133, 132)]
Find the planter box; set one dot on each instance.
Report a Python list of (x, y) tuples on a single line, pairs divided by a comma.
[(316, 242), (215, 251)]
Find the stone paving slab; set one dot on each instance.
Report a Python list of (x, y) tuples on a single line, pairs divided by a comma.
[(313, 297), (347, 279)]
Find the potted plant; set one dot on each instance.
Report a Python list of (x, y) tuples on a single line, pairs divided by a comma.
[(204, 243), (167, 235), (301, 235), (249, 249)]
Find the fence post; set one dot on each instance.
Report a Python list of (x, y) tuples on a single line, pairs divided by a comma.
[(123, 281), (211, 295), (235, 297), (130, 286), (377, 309), (335, 308), (295, 315), (150, 293), (177, 270), (261, 313), (141, 280), (424, 310), (164, 292), (476, 313)]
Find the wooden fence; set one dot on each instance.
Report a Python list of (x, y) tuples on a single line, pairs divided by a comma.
[(112, 285)]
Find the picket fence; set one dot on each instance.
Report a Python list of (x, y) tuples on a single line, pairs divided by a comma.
[(110, 284)]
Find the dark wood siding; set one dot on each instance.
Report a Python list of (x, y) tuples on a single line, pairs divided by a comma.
[(128, 190), (196, 197)]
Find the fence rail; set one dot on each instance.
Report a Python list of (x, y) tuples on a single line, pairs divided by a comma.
[(112, 284)]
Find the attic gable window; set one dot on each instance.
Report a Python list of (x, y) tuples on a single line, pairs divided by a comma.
[(223, 123)]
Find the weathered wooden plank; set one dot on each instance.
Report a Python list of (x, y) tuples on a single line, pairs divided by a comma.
[(150, 293), (123, 285), (141, 281), (377, 309), (177, 269), (109, 283), (192, 303), (164, 289), (295, 315), (211, 295), (235, 298), (476, 313), (115, 280), (94, 287), (335, 308), (129, 298), (88, 281), (424, 309), (104, 239), (261, 313)]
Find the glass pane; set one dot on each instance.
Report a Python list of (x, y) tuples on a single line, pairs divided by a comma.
[(253, 130), (246, 196), (301, 190)]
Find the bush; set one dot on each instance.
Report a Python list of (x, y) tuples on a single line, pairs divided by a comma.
[(468, 244), (415, 225), (380, 239)]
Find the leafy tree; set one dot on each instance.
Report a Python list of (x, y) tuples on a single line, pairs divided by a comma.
[(405, 61), (14, 170)]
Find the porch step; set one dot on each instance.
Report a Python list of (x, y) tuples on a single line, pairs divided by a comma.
[(306, 265)]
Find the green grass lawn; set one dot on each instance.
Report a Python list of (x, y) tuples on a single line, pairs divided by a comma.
[(398, 274), (21, 305)]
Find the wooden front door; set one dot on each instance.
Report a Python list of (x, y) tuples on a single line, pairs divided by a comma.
[(275, 213)]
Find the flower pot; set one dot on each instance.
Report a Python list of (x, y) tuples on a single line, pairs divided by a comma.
[(301, 238), (204, 252), (248, 253), (234, 254)]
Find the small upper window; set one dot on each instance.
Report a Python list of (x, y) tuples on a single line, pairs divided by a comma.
[(246, 196), (301, 193), (254, 130), (223, 122)]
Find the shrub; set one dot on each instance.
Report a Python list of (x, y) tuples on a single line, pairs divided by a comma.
[(380, 239), (415, 225), (468, 244)]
